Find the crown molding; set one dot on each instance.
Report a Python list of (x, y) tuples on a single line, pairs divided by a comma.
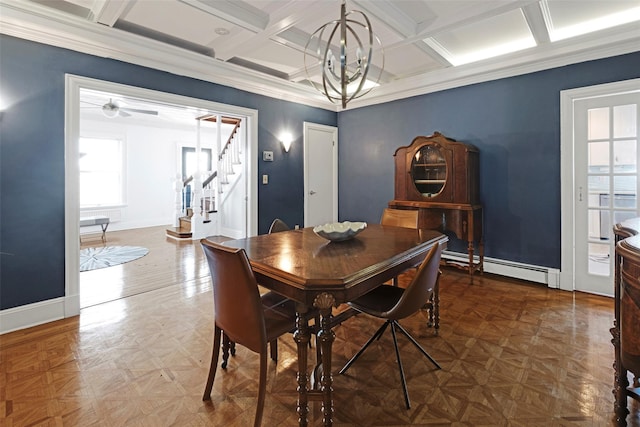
[(41, 24), (567, 52)]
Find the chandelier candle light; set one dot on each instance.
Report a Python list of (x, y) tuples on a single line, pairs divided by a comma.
[(350, 80)]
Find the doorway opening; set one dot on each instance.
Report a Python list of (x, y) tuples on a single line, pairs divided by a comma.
[(152, 103)]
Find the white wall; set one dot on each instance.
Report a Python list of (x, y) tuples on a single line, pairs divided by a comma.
[(152, 162)]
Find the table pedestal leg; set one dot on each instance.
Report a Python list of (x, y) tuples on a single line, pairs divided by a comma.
[(325, 302), (302, 337)]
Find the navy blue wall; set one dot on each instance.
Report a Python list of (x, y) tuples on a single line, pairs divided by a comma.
[(515, 123), (32, 156)]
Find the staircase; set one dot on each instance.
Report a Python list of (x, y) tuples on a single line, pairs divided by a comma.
[(183, 230), (195, 220)]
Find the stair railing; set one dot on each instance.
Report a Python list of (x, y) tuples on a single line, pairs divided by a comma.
[(212, 186), (229, 155), (208, 194)]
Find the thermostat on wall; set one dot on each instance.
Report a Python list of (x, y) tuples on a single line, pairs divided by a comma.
[(267, 156)]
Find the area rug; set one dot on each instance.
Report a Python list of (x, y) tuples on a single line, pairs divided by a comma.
[(108, 256)]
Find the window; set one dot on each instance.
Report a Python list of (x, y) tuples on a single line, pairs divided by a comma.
[(101, 172), (189, 164)]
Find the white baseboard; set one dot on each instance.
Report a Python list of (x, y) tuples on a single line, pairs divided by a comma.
[(47, 311), (30, 315), (231, 232), (533, 273)]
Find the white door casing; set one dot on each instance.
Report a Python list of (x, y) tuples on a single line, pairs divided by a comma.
[(320, 174), (606, 178), (73, 85), (577, 237)]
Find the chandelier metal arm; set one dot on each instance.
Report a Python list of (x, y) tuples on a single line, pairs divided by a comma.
[(349, 82)]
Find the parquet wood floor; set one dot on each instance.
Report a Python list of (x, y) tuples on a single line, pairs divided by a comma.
[(513, 354)]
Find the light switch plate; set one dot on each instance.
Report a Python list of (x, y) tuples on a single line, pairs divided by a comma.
[(267, 156), (265, 179)]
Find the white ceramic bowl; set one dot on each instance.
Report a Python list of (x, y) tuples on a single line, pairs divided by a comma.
[(339, 231)]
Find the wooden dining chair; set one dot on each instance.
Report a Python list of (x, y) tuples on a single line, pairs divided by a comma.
[(400, 218), (278, 225), (271, 299), (393, 304), (246, 317)]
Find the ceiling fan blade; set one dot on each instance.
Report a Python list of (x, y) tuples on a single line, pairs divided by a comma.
[(91, 103), (135, 110), (123, 113)]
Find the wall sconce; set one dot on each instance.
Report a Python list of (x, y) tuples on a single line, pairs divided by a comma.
[(286, 139)]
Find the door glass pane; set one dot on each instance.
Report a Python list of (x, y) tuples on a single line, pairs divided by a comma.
[(599, 259), (598, 191), (599, 157), (624, 121), (622, 216), (599, 221), (598, 123), (624, 188), (625, 156)]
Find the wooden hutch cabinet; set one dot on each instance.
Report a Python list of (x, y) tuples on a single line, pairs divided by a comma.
[(439, 177)]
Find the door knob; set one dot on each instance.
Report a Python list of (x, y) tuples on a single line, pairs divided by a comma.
[(312, 192)]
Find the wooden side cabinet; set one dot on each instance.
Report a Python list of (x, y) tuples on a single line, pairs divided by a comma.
[(439, 176), (626, 325)]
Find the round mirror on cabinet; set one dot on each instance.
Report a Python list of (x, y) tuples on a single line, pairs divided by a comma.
[(429, 171)]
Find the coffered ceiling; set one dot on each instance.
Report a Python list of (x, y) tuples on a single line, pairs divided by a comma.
[(258, 45)]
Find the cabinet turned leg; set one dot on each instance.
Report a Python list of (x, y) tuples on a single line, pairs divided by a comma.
[(226, 349), (433, 307), (436, 304), (471, 265), (481, 253)]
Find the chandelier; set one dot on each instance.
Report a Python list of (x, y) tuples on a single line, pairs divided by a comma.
[(351, 74)]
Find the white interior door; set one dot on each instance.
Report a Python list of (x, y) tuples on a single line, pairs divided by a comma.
[(606, 183), (320, 174)]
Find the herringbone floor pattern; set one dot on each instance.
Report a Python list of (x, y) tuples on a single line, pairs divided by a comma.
[(512, 353)]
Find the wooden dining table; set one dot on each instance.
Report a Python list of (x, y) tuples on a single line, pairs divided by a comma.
[(319, 273)]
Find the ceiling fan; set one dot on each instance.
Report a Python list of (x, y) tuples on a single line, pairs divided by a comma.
[(112, 109)]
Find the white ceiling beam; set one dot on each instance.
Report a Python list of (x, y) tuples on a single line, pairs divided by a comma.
[(476, 12), (236, 12), (433, 54), (107, 12), (535, 19), (285, 17), (391, 15)]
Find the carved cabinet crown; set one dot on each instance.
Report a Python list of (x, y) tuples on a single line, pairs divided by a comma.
[(437, 169)]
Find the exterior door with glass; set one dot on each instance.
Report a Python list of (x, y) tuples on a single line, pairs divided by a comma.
[(606, 183)]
